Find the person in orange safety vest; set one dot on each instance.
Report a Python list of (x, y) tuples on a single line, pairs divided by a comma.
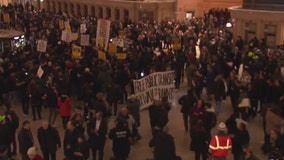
[(220, 144)]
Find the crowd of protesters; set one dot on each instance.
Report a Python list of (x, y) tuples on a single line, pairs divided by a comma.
[(249, 76)]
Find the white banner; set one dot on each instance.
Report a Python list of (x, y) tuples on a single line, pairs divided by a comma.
[(103, 30), (84, 40), (41, 45), (154, 87)]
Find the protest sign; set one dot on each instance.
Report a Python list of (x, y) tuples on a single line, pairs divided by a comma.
[(76, 52), (63, 36), (112, 49), (127, 42), (102, 55), (83, 28), (121, 34), (103, 31), (74, 36), (40, 72), (84, 40), (61, 24), (121, 56), (41, 45), (176, 43), (6, 18), (154, 87), (118, 42)]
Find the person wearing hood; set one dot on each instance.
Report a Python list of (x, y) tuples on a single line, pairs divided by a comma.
[(64, 104)]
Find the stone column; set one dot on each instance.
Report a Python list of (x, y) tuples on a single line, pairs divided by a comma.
[(75, 12), (90, 10), (112, 12), (121, 14)]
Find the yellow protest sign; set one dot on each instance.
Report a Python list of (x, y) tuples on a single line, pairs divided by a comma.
[(121, 35), (121, 56), (6, 18), (112, 48), (101, 41), (176, 43), (61, 24), (102, 55), (76, 52)]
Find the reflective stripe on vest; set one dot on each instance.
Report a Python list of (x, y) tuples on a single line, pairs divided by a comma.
[(218, 145)]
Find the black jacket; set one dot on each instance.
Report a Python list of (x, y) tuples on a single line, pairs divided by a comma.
[(51, 98), (120, 141), (48, 139), (5, 134), (26, 141), (97, 139), (187, 102), (70, 141), (164, 146)]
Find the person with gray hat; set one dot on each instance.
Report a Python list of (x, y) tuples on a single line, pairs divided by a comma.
[(220, 144)]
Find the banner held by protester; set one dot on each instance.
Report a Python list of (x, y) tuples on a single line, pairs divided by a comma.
[(154, 87)]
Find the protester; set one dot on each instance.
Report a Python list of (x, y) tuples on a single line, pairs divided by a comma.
[(25, 139), (120, 137), (187, 103), (70, 140), (6, 135), (64, 105), (97, 132), (33, 155), (49, 141), (220, 144)]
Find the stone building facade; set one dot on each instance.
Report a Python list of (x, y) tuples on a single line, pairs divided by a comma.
[(114, 9), (261, 19), (136, 10)]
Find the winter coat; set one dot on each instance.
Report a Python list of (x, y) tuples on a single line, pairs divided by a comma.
[(240, 139), (219, 90), (120, 141), (187, 102), (164, 146), (51, 98), (69, 142), (48, 139), (199, 139), (134, 109), (6, 134), (64, 104), (26, 140)]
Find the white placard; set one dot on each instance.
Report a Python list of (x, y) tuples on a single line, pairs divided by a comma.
[(118, 42), (74, 36), (41, 45), (83, 28), (103, 30), (40, 72), (84, 40), (63, 36)]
